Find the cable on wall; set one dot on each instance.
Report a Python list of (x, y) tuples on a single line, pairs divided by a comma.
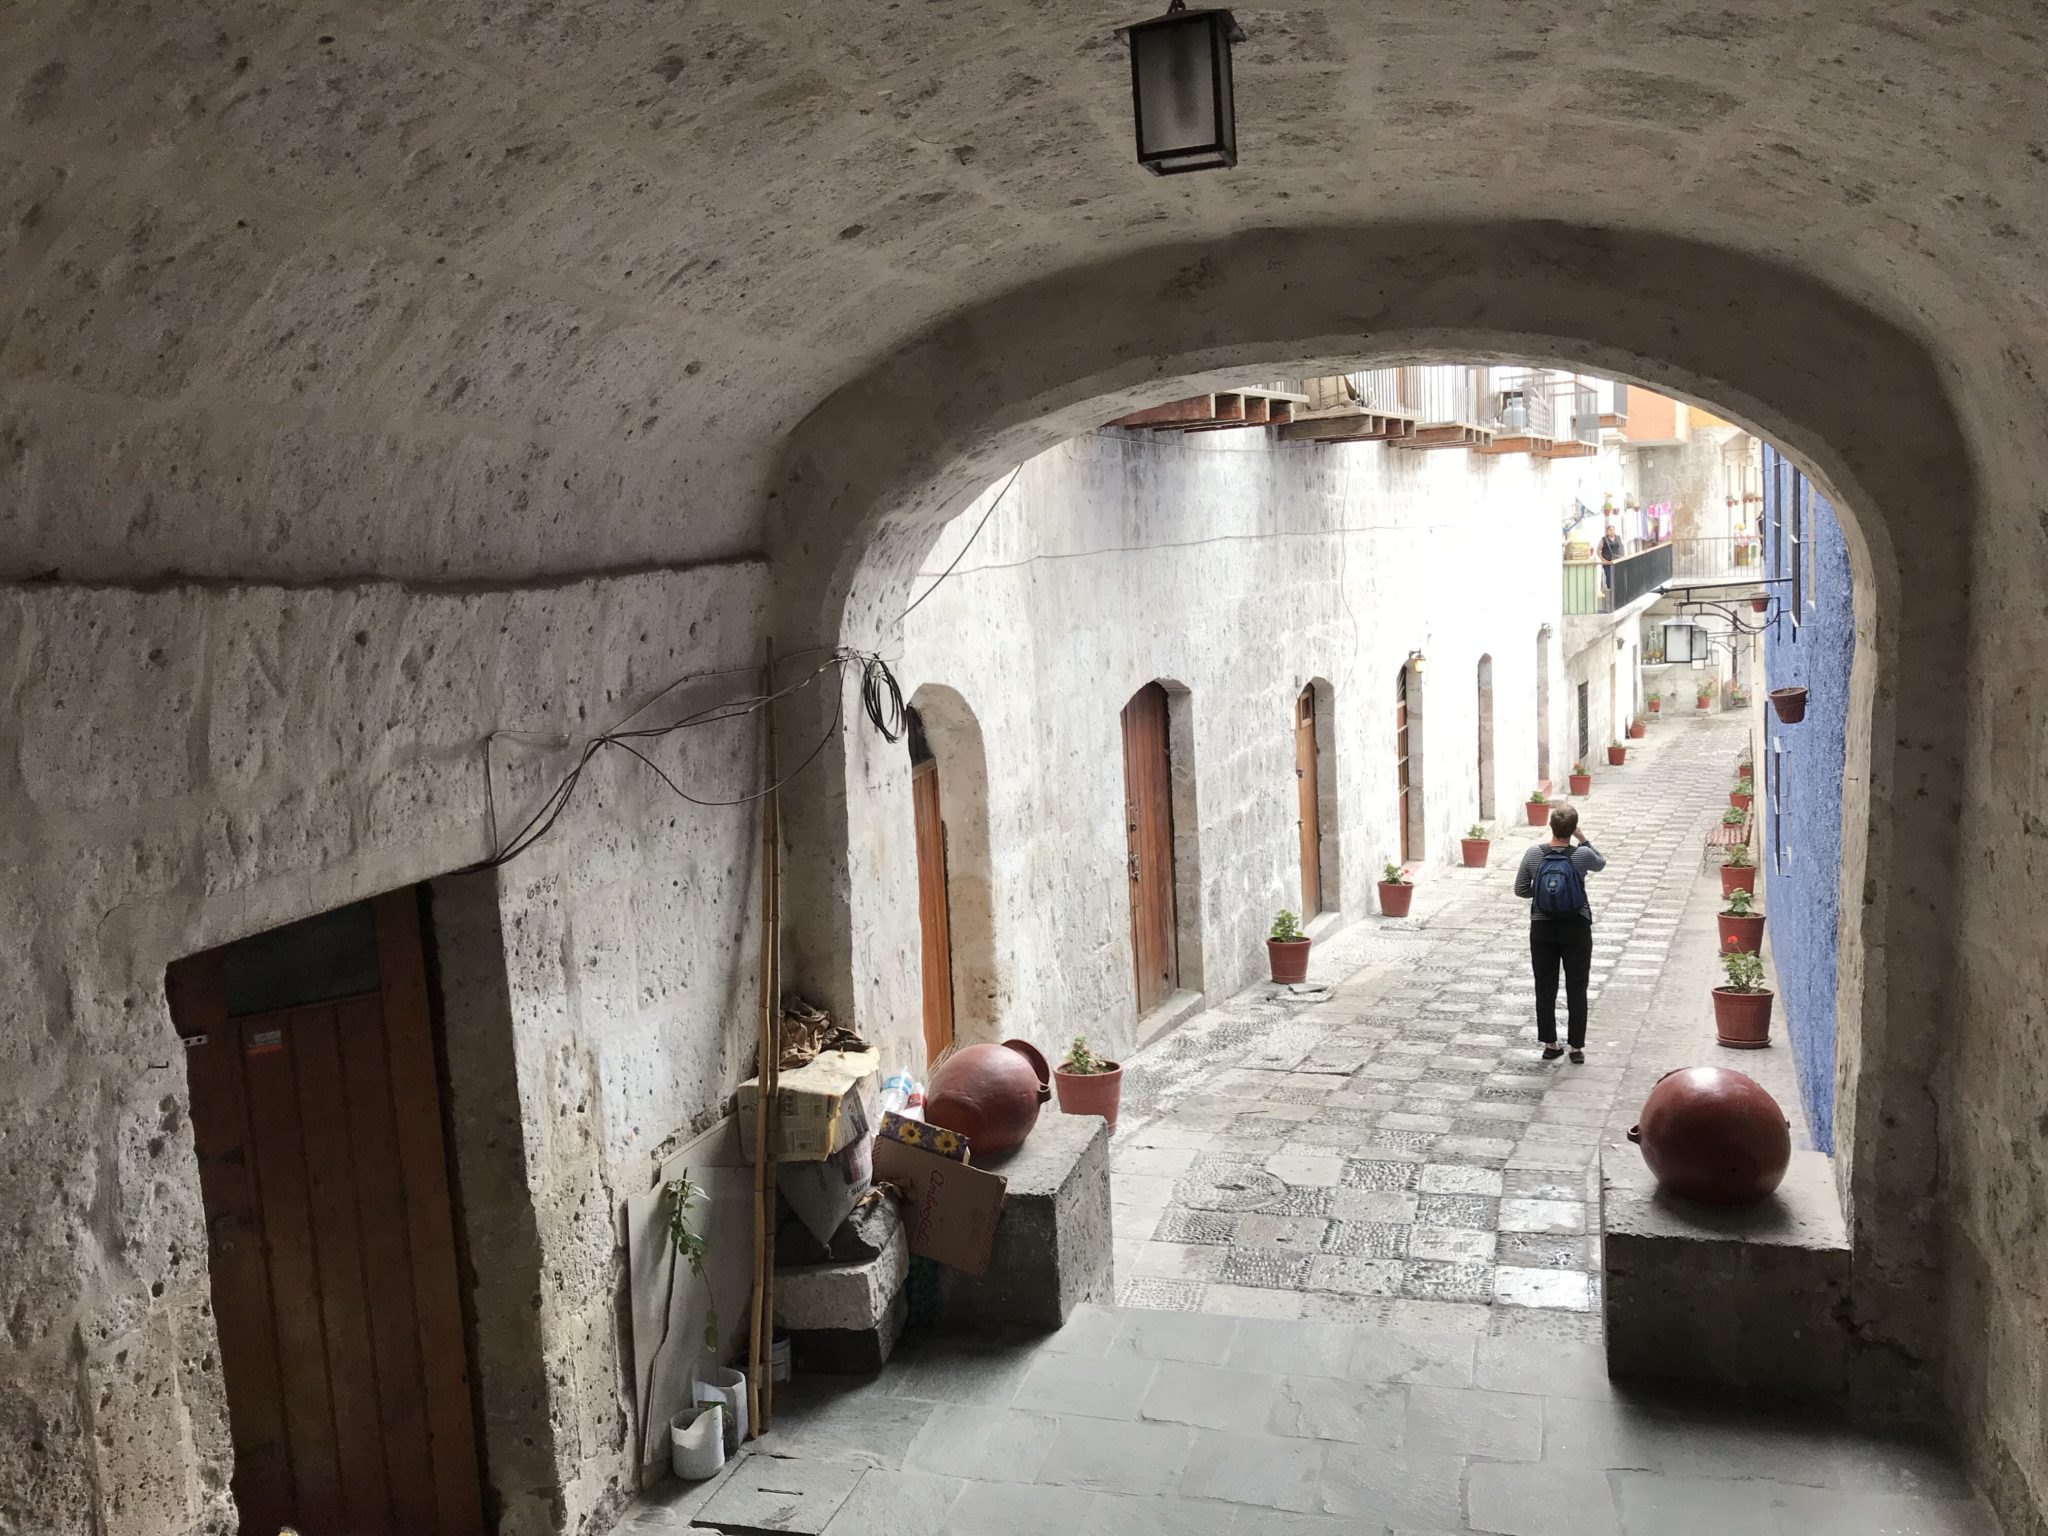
[(991, 512), (881, 696)]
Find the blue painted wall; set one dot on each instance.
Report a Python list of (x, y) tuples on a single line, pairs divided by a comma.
[(1801, 849)]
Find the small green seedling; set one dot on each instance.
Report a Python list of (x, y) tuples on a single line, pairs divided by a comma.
[(1287, 927), (1083, 1062), (1393, 875), (1745, 972)]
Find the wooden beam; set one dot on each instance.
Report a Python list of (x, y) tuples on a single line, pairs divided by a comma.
[(1196, 408)]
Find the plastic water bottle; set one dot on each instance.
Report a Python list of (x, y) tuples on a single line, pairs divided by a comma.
[(896, 1088)]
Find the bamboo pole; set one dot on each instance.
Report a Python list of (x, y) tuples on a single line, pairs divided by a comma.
[(774, 818), (758, 1319)]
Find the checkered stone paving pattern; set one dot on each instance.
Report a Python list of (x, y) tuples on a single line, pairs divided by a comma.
[(1398, 1153)]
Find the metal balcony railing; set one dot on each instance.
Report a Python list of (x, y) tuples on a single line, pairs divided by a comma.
[(1379, 390), (1591, 588), (1734, 558), (1453, 395), (1524, 407)]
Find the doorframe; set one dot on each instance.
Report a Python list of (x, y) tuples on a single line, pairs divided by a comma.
[(1329, 803), (1489, 771)]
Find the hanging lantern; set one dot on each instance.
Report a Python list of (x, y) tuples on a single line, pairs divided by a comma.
[(1180, 90), (1685, 643)]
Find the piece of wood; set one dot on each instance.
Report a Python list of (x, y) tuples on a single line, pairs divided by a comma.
[(1308, 803), (332, 1199), (934, 928), (240, 1277), (429, 1213), (387, 1264), (1148, 831), (1174, 413)]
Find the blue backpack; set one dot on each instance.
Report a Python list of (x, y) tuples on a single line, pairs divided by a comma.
[(1560, 889)]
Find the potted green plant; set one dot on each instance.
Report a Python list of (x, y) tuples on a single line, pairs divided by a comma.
[(1638, 727), (1538, 807), (1580, 780), (1395, 891), (1743, 794), (1088, 1084), (1617, 753), (1734, 816), (1656, 703), (1742, 1008), (1742, 925), (1287, 949), (1790, 703), (1708, 688), (1737, 873), (1474, 846), (704, 1434)]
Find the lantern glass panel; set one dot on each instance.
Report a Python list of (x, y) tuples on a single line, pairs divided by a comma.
[(1176, 87)]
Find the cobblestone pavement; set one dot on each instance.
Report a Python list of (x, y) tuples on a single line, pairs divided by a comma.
[(1398, 1153)]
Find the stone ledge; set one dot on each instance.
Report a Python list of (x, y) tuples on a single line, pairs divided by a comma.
[(1752, 1299)]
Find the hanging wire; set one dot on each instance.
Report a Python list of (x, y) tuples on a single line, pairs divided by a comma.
[(881, 695), (991, 512)]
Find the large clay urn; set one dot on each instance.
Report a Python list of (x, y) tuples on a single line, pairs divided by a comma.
[(990, 1094), (1713, 1135)]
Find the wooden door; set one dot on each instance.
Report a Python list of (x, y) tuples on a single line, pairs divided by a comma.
[(1401, 768), (1308, 818), (316, 1111), (1148, 834), (934, 930)]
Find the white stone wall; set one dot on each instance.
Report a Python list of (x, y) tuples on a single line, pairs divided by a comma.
[(184, 766), (1238, 569)]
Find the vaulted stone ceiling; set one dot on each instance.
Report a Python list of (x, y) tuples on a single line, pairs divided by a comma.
[(483, 290)]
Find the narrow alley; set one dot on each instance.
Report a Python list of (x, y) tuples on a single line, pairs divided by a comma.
[(1399, 1153)]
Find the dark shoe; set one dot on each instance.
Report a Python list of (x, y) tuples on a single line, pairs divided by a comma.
[(1578, 1058), (1552, 1052)]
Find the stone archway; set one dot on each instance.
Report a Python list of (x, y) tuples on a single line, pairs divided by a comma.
[(856, 510)]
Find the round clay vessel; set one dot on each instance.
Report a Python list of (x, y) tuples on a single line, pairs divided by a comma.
[(1714, 1135), (988, 1093)]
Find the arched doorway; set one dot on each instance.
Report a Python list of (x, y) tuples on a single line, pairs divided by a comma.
[(1148, 843), (1486, 811), (1409, 805), (934, 921), (1315, 773), (956, 911)]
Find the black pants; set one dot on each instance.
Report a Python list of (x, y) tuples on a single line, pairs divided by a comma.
[(1566, 941)]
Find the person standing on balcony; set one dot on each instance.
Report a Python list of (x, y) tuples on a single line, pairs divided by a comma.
[(1610, 550), (1552, 879)]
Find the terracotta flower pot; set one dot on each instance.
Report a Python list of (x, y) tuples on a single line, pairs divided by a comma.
[(1760, 604), (1741, 935), (1539, 812), (1091, 1093), (1474, 849), (1704, 702), (1616, 756), (1790, 703), (1656, 706), (1742, 1020), (1739, 800), (1581, 784), (1289, 959), (1394, 898), (1637, 729), (1733, 880)]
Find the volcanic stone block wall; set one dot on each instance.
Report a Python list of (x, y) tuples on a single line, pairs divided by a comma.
[(188, 764)]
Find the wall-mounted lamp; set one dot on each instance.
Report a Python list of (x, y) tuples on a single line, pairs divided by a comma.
[(1685, 643), (1415, 661), (1181, 97)]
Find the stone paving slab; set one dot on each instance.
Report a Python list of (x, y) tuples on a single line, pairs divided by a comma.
[(1136, 1422), (1403, 1145)]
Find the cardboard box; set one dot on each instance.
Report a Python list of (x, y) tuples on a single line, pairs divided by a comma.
[(827, 1103), (823, 1194), (953, 1210), (928, 1138)]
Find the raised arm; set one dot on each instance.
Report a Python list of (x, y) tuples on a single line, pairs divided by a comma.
[(1593, 861)]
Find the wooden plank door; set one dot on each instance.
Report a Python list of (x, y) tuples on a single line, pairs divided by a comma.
[(933, 924), (316, 1111), (1308, 818), (1401, 774), (1148, 834)]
